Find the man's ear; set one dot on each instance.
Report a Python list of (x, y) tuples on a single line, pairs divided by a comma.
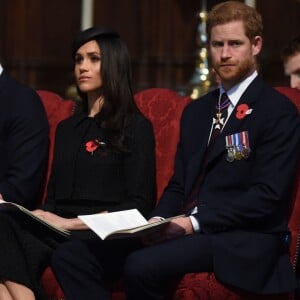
[(256, 44)]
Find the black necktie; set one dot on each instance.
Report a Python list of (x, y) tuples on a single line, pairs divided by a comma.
[(220, 117)]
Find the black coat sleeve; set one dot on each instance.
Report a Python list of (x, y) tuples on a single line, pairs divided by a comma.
[(24, 145)]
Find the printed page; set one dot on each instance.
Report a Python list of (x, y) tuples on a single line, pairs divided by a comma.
[(104, 224)]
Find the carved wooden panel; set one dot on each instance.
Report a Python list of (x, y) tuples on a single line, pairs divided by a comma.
[(281, 23), (35, 41), (36, 36)]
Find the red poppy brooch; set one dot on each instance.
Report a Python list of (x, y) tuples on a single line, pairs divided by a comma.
[(93, 145), (242, 111)]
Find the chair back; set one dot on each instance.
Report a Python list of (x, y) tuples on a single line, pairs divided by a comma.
[(294, 220), (57, 109), (163, 107)]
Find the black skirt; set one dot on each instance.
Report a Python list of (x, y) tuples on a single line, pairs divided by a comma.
[(26, 250), (23, 255)]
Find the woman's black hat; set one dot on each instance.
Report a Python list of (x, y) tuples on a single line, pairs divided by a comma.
[(91, 34)]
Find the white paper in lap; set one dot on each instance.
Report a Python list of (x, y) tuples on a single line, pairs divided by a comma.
[(105, 223)]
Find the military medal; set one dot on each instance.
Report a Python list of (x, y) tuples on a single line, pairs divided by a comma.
[(230, 149), (245, 144), (245, 152), (237, 146), (230, 155), (238, 153), (220, 117), (218, 121)]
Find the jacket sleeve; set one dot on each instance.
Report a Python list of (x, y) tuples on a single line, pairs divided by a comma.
[(26, 151)]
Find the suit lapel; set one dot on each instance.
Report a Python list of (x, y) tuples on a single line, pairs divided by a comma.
[(194, 168), (234, 124), (196, 162)]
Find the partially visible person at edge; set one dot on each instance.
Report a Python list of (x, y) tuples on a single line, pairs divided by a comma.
[(103, 161), (291, 62), (24, 133), (234, 170), (23, 142)]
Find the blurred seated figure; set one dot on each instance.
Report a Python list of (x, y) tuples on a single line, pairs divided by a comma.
[(291, 62)]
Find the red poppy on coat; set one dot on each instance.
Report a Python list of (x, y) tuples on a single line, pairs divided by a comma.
[(242, 111), (92, 146)]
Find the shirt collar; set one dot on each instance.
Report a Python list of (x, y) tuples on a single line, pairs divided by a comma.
[(237, 91)]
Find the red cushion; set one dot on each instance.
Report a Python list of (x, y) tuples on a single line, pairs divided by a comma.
[(57, 109), (163, 107), (292, 93), (294, 222)]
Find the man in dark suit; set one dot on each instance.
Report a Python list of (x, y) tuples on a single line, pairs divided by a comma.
[(233, 176), (23, 142), (237, 227)]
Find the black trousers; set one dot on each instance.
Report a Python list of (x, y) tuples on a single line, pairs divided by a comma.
[(83, 267)]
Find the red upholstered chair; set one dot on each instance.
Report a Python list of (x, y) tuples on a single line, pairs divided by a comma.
[(57, 109), (163, 107), (294, 222)]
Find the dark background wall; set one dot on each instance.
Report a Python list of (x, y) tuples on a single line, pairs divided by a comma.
[(35, 38)]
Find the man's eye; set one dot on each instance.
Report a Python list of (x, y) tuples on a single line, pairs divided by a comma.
[(235, 44), (217, 45)]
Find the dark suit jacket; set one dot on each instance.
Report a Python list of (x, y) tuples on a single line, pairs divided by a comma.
[(23, 142), (243, 205), (106, 181)]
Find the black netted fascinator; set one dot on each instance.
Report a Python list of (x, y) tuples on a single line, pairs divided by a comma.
[(91, 34)]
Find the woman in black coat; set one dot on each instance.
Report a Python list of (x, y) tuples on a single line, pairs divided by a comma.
[(103, 161)]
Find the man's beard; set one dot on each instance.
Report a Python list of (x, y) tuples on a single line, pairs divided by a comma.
[(231, 75)]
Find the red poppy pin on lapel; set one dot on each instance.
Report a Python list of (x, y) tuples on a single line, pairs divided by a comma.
[(93, 145), (242, 111)]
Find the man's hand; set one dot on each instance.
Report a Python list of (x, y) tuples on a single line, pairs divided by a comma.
[(175, 228)]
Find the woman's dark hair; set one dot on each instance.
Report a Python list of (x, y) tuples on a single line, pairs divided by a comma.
[(116, 88)]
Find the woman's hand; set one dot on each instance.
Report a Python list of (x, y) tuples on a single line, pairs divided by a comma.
[(69, 224)]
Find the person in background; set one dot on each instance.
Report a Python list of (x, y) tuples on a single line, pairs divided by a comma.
[(232, 142), (291, 62), (103, 161)]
